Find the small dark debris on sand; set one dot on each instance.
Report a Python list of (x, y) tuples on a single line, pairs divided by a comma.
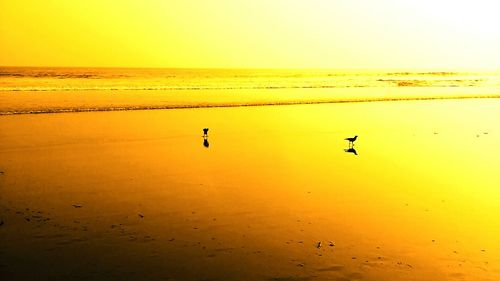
[(332, 244), (1, 172), (318, 245), (77, 206), (141, 215), (1, 222)]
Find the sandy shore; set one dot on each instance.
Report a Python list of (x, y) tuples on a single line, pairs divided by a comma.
[(138, 195)]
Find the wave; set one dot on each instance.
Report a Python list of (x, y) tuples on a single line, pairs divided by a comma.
[(112, 73), (431, 73), (171, 88), (243, 104), (14, 79), (382, 83)]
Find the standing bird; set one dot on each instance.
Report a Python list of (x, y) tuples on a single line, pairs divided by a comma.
[(351, 140), (205, 137)]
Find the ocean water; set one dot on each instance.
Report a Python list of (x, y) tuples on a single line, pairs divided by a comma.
[(44, 89)]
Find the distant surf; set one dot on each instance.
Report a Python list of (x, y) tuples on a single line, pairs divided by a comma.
[(36, 90), (89, 79)]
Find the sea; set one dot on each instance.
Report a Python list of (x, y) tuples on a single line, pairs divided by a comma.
[(25, 90)]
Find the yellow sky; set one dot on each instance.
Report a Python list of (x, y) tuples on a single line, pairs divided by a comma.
[(433, 34)]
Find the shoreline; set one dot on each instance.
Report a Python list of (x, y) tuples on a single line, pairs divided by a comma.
[(224, 105)]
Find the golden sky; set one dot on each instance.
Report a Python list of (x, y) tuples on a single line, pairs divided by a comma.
[(431, 34)]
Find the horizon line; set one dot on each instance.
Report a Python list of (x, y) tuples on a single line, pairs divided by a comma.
[(399, 69)]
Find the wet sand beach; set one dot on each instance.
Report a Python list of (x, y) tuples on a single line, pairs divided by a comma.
[(274, 195)]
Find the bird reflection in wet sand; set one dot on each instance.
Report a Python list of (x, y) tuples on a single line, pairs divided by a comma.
[(205, 141), (351, 150)]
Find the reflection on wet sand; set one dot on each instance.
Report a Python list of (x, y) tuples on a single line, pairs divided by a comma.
[(351, 150), (205, 141)]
